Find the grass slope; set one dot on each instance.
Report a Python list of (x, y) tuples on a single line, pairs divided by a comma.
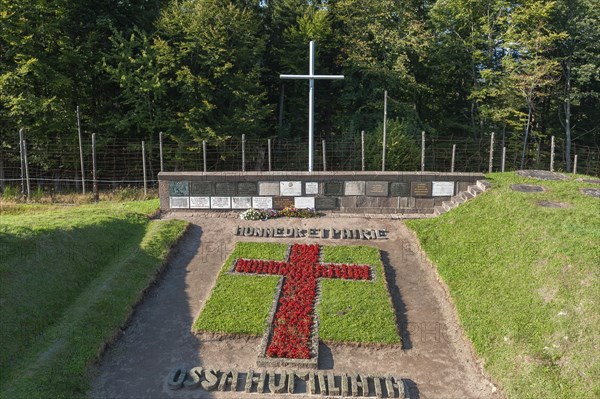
[(70, 277), (349, 311), (525, 280)]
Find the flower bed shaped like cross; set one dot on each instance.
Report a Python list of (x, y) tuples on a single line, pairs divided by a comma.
[(293, 324)]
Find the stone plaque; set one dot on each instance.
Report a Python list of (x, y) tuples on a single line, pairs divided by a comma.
[(201, 189), (326, 203), (223, 189), (592, 192), (268, 188), (220, 202), (200, 202), (283, 202), (262, 202), (179, 189), (377, 188), (354, 188), (527, 188), (290, 188), (179, 202), (334, 188), (311, 188), (304, 202), (400, 189), (442, 188), (241, 202), (247, 189), (420, 189)]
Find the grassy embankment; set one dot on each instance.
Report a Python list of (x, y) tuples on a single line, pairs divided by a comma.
[(69, 278), (349, 311), (526, 282)]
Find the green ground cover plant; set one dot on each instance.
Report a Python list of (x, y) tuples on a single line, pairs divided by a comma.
[(349, 311), (525, 281), (70, 277)]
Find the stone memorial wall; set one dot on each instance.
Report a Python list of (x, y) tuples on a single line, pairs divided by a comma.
[(346, 192)]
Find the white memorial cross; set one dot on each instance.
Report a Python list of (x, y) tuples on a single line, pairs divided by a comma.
[(311, 99)]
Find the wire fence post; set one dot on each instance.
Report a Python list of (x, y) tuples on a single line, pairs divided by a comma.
[(243, 152), (144, 167), (269, 152), (423, 151), (575, 165), (453, 157), (94, 177), (362, 150), (491, 153), (503, 159), (552, 154), (324, 156), (21, 138), (160, 150), (80, 152), (384, 130), (26, 169), (204, 154)]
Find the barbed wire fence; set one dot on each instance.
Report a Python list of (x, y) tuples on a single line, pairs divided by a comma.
[(56, 166)]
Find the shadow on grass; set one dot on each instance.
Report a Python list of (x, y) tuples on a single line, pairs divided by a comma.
[(44, 273), (398, 302)]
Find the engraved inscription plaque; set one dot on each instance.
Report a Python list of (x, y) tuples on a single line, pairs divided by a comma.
[(262, 202), (247, 189), (223, 189), (199, 202), (268, 188), (311, 188), (400, 189), (179, 189), (442, 188), (241, 202), (354, 188), (179, 202), (334, 188), (201, 189), (326, 203), (220, 202), (304, 202), (420, 189), (290, 188), (283, 202), (377, 188)]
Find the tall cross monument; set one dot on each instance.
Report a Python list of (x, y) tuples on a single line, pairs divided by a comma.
[(311, 99)]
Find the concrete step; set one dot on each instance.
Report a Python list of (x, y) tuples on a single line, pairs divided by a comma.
[(483, 184), (466, 195), (438, 210), (447, 205), (475, 190), (458, 200)]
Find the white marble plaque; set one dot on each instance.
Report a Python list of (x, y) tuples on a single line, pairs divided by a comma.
[(262, 202), (179, 202), (304, 202), (268, 188), (311, 188), (442, 189), (290, 188), (354, 188), (220, 202), (199, 202), (241, 202)]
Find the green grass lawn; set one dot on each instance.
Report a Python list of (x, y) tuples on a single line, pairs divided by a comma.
[(349, 311), (69, 278), (526, 283)]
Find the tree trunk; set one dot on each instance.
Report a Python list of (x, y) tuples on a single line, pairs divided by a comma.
[(281, 99), (568, 116), (527, 127)]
